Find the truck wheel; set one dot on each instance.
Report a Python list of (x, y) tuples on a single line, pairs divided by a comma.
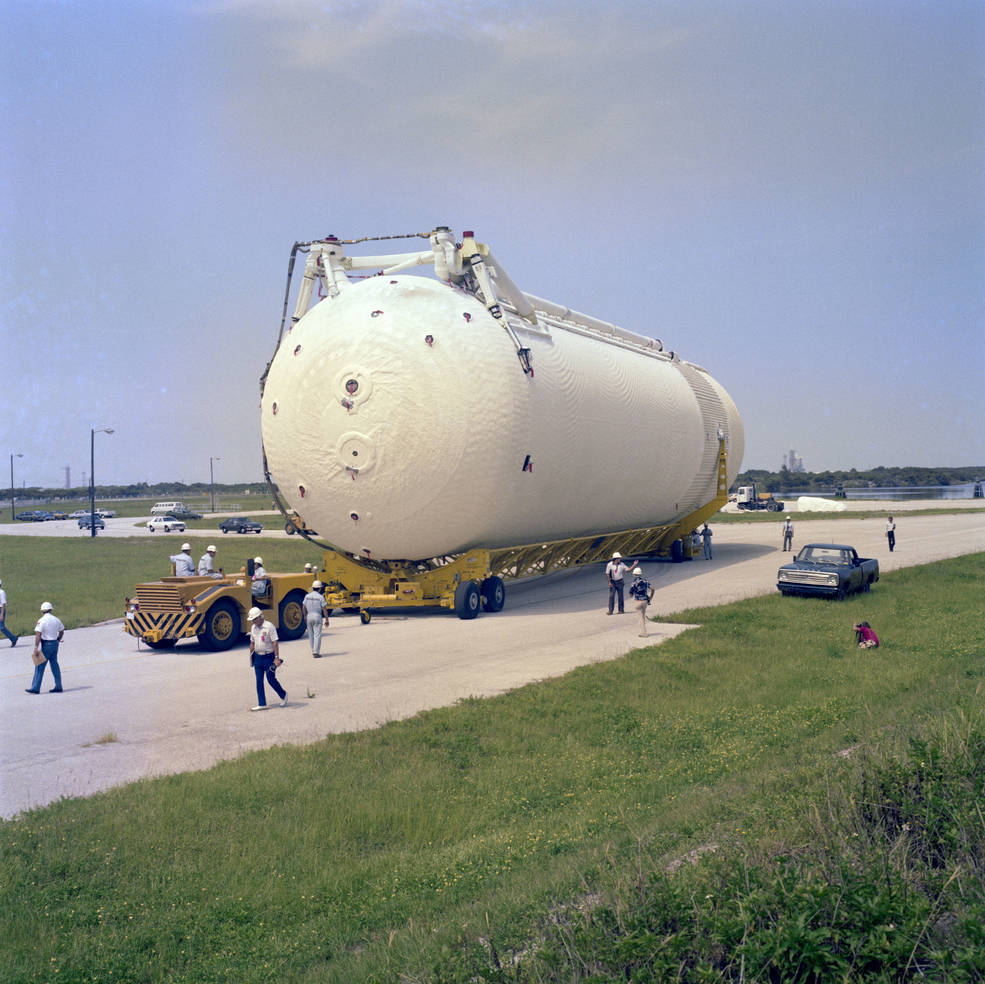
[(291, 616), (841, 594), (493, 594), (364, 617), (242, 529), (222, 625), (677, 551), (162, 643), (290, 529), (467, 600)]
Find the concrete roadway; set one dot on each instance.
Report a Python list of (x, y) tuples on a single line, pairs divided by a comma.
[(185, 709)]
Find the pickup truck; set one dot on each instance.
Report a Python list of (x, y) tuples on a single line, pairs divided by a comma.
[(830, 569)]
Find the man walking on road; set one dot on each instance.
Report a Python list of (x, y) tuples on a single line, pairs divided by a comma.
[(788, 535), (47, 635), (891, 533), (642, 593), (315, 615), (264, 658), (3, 618)]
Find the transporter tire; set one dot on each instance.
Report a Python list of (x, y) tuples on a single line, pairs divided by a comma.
[(677, 552), (222, 626), (365, 617), (291, 616), (493, 594), (467, 600)]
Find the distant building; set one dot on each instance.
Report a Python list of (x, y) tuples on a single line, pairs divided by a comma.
[(792, 462)]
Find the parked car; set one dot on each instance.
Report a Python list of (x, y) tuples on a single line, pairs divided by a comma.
[(78, 514), (57, 515), (85, 522), (185, 514), (106, 513), (166, 523), (32, 516), (831, 569), (240, 524)]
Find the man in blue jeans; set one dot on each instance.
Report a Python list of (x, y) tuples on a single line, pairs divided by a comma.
[(264, 658), (3, 618), (47, 635)]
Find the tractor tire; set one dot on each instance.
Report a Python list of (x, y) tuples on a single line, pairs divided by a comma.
[(291, 616), (467, 600), (222, 626)]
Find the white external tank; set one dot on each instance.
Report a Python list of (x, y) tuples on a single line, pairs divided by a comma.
[(398, 422)]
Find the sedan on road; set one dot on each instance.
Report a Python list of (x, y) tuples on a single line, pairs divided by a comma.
[(166, 523), (85, 522), (240, 524)]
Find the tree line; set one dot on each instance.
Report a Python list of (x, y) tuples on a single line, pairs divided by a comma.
[(882, 477)]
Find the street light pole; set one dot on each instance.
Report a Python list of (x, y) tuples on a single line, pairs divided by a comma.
[(12, 456), (212, 481), (93, 431)]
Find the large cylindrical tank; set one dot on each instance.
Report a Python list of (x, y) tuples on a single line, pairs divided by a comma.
[(398, 422)]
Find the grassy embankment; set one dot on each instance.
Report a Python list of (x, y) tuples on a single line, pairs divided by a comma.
[(526, 837)]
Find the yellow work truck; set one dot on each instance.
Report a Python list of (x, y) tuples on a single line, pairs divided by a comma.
[(214, 608)]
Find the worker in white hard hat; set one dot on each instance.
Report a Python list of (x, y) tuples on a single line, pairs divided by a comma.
[(260, 582), (205, 565), (47, 635), (184, 566), (642, 594), (615, 572), (315, 616), (787, 534), (264, 658)]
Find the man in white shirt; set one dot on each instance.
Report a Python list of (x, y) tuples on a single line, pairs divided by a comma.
[(47, 635), (205, 568), (184, 566), (891, 533), (787, 534), (3, 618), (264, 658), (615, 571)]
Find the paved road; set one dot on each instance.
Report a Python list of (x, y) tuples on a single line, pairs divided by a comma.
[(188, 708)]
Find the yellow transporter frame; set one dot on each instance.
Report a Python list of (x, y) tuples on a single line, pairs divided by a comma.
[(213, 609), (475, 578)]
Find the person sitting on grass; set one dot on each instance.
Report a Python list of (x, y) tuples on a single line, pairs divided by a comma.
[(864, 636)]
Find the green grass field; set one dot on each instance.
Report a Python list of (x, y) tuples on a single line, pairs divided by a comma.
[(87, 579), (527, 837)]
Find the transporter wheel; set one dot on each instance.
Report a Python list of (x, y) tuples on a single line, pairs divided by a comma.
[(493, 594), (222, 625), (364, 617), (677, 551), (291, 616), (467, 600), (162, 643)]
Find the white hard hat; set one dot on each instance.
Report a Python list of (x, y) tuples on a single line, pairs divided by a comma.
[(316, 584), (210, 548), (638, 571), (186, 546), (617, 556), (788, 515), (254, 613), (46, 606), (308, 567), (258, 560)]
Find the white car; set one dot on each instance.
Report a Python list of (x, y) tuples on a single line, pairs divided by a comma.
[(78, 514), (106, 513), (166, 523)]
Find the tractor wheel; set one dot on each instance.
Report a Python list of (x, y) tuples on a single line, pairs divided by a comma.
[(493, 594), (364, 617), (222, 626), (467, 600), (291, 613)]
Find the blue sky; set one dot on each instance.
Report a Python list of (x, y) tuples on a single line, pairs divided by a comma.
[(791, 194)]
